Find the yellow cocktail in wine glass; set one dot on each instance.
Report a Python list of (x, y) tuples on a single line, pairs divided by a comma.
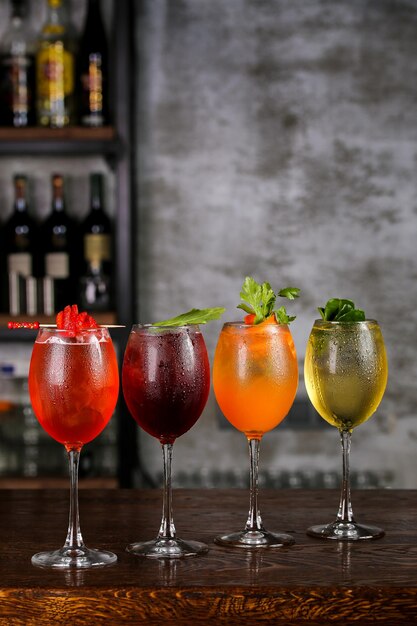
[(346, 373)]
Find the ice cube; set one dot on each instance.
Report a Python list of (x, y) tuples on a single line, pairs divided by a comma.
[(55, 339)]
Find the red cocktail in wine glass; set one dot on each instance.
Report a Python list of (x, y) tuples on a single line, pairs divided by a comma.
[(73, 385)]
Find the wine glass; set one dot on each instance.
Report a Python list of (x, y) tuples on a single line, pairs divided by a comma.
[(255, 379), (166, 380), (345, 373), (73, 386)]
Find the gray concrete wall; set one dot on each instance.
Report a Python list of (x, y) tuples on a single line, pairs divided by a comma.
[(278, 139)]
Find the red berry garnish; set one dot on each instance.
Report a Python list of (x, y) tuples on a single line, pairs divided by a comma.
[(249, 319), (70, 319)]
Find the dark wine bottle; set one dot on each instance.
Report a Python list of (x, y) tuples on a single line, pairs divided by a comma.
[(92, 70), (96, 232), (17, 70), (60, 247), (20, 234)]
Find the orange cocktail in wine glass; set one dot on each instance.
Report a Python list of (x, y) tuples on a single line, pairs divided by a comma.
[(255, 379), (255, 376), (73, 386)]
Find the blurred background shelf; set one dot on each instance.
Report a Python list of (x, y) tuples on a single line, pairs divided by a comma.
[(56, 483), (63, 141), (86, 149), (69, 133)]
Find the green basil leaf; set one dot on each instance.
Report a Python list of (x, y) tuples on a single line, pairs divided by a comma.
[(352, 316), (341, 310)]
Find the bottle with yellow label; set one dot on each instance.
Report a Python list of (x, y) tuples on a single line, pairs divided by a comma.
[(55, 69)]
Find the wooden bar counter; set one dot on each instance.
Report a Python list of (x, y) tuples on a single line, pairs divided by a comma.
[(314, 582)]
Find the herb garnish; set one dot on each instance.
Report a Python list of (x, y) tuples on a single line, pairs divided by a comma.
[(259, 300), (195, 316), (340, 310)]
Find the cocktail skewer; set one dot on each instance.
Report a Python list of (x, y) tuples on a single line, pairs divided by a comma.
[(36, 325)]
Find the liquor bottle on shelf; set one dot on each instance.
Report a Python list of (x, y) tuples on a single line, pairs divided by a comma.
[(8, 394), (92, 70), (55, 70), (20, 234), (60, 248), (96, 232), (17, 70)]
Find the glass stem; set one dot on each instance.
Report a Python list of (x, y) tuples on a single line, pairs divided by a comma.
[(74, 538), (345, 513), (167, 528), (254, 522)]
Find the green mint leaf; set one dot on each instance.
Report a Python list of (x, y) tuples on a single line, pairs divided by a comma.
[(195, 316), (341, 310), (289, 292)]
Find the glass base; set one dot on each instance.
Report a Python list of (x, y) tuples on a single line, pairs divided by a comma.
[(345, 531), (254, 539), (80, 558), (167, 548)]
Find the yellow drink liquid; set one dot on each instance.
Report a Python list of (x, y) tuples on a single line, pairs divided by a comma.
[(255, 375), (345, 371)]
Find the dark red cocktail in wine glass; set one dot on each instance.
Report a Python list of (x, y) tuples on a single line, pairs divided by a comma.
[(166, 380)]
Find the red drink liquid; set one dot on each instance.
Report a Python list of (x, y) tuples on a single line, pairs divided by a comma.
[(74, 385), (166, 379)]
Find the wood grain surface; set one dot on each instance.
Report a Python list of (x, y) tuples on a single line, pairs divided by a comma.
[(314, 582)]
